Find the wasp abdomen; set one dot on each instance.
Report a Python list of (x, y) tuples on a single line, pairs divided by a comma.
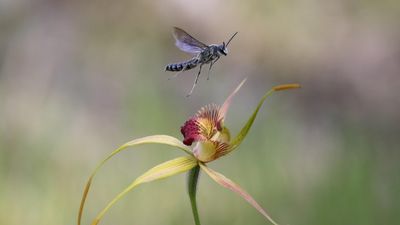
[(174, 67), (187, 65)]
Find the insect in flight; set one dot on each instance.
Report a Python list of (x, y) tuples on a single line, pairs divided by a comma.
[(204, 54)]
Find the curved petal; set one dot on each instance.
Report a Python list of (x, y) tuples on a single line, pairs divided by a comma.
[(164, 170), (243, 132), (227, 183), (154, 139), (227, 103)]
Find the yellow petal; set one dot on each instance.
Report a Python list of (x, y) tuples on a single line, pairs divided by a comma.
[(164, 170), (155, 139), (227, 183)]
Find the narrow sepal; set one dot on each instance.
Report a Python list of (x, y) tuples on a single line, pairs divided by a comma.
[(224, 108), (243, 132), (227, 183), (154, 139), (164, 170)]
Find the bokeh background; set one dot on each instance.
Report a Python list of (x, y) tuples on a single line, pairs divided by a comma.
[(79, 78)]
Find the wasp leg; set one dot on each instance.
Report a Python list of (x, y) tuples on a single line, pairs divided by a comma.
[(195, 81), (209, 69)]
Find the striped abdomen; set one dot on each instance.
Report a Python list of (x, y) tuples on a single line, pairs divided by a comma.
[(187, 65)]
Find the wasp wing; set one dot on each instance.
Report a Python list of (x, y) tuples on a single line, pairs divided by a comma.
[(186, 42)]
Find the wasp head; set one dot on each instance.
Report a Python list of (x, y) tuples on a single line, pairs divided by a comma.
[(222, 49)]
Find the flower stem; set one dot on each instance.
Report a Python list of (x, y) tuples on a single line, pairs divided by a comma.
[(192, 189)]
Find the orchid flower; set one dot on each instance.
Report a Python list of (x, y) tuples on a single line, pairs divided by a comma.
[(210, 139)]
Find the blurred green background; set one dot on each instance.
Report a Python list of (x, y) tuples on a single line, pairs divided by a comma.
[(79, 78)]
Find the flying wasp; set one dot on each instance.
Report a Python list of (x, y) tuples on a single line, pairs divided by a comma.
[(204, 54)]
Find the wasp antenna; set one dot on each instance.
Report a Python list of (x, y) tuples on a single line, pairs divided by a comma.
[(230, 39)]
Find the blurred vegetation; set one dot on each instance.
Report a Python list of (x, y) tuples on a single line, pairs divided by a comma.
[(79, 78)]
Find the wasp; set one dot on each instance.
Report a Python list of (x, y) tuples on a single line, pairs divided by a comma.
[(203, 54)]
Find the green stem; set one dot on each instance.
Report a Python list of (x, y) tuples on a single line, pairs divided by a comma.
[(192, 188)]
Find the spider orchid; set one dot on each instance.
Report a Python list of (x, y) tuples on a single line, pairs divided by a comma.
[(210, 138)]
